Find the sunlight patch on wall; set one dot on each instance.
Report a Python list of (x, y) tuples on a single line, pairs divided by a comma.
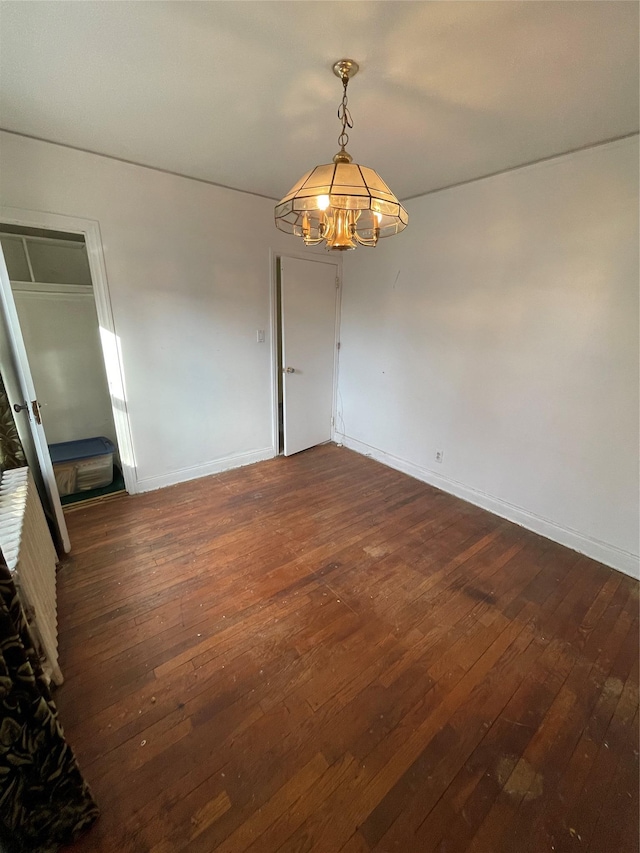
[(113, 360)]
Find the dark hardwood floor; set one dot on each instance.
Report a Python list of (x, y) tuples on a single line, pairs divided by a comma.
[(322, 654)]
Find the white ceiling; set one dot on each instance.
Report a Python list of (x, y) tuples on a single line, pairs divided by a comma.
[(242, 94)]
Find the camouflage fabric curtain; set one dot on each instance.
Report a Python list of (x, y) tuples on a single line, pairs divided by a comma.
[(11, 453), (44, 801)]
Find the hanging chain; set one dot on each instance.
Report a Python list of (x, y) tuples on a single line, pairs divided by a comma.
[(345, 116)]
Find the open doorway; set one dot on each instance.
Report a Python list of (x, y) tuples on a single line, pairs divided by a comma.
[(55, 303)]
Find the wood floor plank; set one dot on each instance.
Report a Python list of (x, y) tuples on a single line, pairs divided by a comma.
[(319, 653)]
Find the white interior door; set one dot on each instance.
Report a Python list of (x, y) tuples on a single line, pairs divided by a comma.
[(308, 295), (21, 392)]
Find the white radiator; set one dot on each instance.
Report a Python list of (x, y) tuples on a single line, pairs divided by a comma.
[(28, 549)]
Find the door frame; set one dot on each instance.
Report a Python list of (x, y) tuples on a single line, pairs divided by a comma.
[(109, 342), (274, 258)]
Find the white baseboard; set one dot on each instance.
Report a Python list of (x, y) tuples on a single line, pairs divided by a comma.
[(149, 484), (610, 555)]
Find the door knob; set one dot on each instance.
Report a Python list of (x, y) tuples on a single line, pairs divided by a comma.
[(18, 408), (289, 370)]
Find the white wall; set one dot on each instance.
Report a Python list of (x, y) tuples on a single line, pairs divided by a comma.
[(188, 269), (502, 328), (61, 336)]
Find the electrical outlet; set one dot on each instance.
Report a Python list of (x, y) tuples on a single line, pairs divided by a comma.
[(439, 455)]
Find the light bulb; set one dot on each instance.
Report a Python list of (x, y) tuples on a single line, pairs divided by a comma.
[(378, 216), (323, 202)]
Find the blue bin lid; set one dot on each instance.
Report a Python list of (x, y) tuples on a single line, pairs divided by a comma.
[(83, 448)]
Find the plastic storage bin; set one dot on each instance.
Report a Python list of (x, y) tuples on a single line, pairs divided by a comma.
[(82, 465)]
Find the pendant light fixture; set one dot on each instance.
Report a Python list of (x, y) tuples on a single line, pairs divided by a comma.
[(341, 203)]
